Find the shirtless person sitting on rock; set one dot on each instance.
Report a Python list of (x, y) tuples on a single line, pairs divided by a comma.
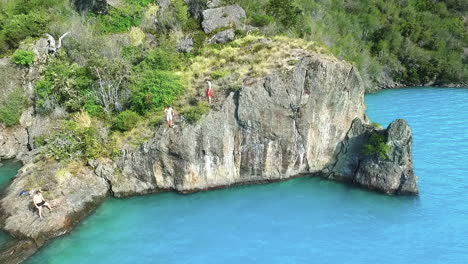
[(39, 202)]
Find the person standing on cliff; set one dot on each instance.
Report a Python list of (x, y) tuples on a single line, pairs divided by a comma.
[(39, 202), (209, 91), (169, 115)]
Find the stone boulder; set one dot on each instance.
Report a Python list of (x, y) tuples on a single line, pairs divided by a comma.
[(185, 44), (391, 175), (227, 16), (223, 36), (76, 190), (13, 142)]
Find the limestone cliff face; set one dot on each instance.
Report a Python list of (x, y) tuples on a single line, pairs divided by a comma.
[(277, 127)]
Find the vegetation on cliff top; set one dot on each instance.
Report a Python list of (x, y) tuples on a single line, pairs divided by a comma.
[(413, 42), (119, 68)]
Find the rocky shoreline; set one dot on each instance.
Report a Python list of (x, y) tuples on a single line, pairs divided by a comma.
[(306, 120)]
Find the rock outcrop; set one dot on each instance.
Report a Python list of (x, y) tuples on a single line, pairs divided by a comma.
[(274, 128), (76, 192), (392, 175), (221, 17), (223, 36), (307, 118), (185, 44)]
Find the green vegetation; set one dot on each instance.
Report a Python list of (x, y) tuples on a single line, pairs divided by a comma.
[(126, 120), (23, 57), (118, 69), (12, 107), (74, 140), (376, 146), (63, 83), (194, 113), (155, 89), (413, 42), (22, 19), (120, 19)]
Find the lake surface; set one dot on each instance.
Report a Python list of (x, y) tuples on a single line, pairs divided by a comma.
[(305, 220), (8, 170)]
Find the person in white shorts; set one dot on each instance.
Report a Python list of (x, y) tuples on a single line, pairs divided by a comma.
[(169, 115)]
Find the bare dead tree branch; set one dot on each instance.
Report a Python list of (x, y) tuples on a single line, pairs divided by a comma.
[(52, 47), (109, 89), (60, 40)]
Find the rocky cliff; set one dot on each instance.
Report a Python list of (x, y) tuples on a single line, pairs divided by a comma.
[(308, 119), (277, 127)]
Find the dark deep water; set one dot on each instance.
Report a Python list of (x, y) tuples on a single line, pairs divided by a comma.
[(305, 220)]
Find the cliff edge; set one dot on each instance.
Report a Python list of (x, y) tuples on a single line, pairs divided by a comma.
[(305, 119)]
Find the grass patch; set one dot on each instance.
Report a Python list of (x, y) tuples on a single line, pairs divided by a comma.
[(12, 107)]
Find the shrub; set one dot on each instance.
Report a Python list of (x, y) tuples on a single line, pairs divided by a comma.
[(19, 27), (173, 17), (219, 74), (261, 20), (194, 113), (64, 83), (152, 89), (377, 146), (39, 141), (12, 108), (126, 120), (137, 36), (141, 3), (23, 57), (120, 19), (72, 141), (93, 108), (285, 11), (161, 59)]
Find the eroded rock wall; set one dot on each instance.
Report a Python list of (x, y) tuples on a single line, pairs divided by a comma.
[(277, 127), (392, 174)]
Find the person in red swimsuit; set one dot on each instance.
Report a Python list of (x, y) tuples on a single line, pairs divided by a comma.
[(209, 92)]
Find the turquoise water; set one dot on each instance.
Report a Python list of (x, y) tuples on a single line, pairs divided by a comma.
[(305, 220), (8, 170)]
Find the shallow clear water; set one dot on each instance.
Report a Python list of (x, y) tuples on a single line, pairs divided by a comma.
[(8, 170), (305, 220)]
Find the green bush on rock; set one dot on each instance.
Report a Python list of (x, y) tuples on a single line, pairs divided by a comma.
[(126, 120), (376, 146), (23, 57), (152, 89), (194, 113), (73, 141), (11, 108)]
